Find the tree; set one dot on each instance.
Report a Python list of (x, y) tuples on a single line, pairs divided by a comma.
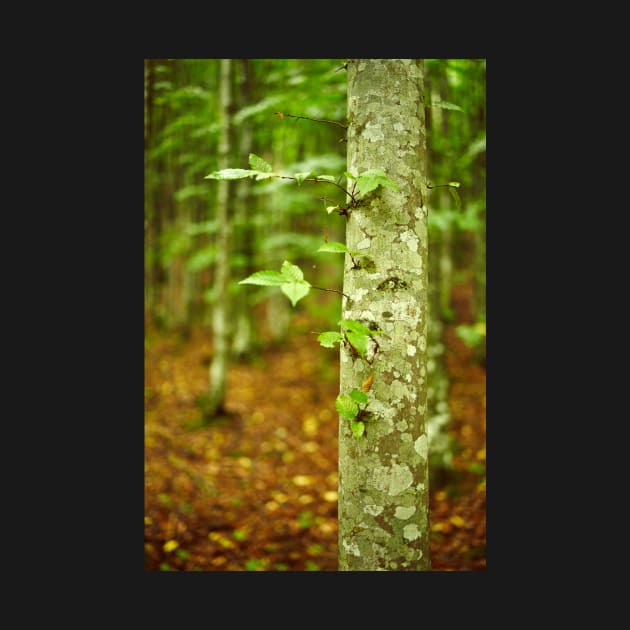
[(220, 316), (383, 476)]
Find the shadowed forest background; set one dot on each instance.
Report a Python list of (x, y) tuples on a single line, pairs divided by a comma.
[(252, 485)]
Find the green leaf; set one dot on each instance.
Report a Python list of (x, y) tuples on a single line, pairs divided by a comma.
[(358, 396), (291, 271), (325, 178), (329, 339), (357, 427), (333, 247), (455, 184), (259, 164), (349, 175), (355, 326), (372, 179), (265, 278), (359, 342), (260, 175), (346, 406), (446, 105), (295, 291), (330, 209), (231, 173), (300, 177)]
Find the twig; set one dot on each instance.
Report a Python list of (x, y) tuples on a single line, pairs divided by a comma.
[(319, 181), (324, 120), (333, 290)]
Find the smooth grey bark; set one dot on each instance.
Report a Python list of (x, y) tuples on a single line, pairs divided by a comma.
[(218, 366), (383, 476)]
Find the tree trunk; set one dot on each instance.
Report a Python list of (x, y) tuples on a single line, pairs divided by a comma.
[(438, 412), (243, 338), (218, 366), (383, 475)]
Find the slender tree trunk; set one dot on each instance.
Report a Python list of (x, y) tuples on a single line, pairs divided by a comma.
[(438, 413), (243, 338), (220, 315), (383, 476), (440, 268)]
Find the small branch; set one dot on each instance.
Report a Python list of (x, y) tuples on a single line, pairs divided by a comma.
[(330, 122), (333, 290), (318, 181)]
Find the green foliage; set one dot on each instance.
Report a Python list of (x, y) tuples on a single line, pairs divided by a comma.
[(265, 278), (300, 177), (372, 179), (358, 334), (358, 341), (325, 178), (290, 280), (346, 406), (357, 327), (295, 291), (333, 247), (446, 105), (231, 173), (357, 427), (359, 396), (292, 272), (258, 164), (329, 339)]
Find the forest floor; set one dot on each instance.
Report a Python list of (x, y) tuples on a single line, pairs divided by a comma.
[(257, 490)]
